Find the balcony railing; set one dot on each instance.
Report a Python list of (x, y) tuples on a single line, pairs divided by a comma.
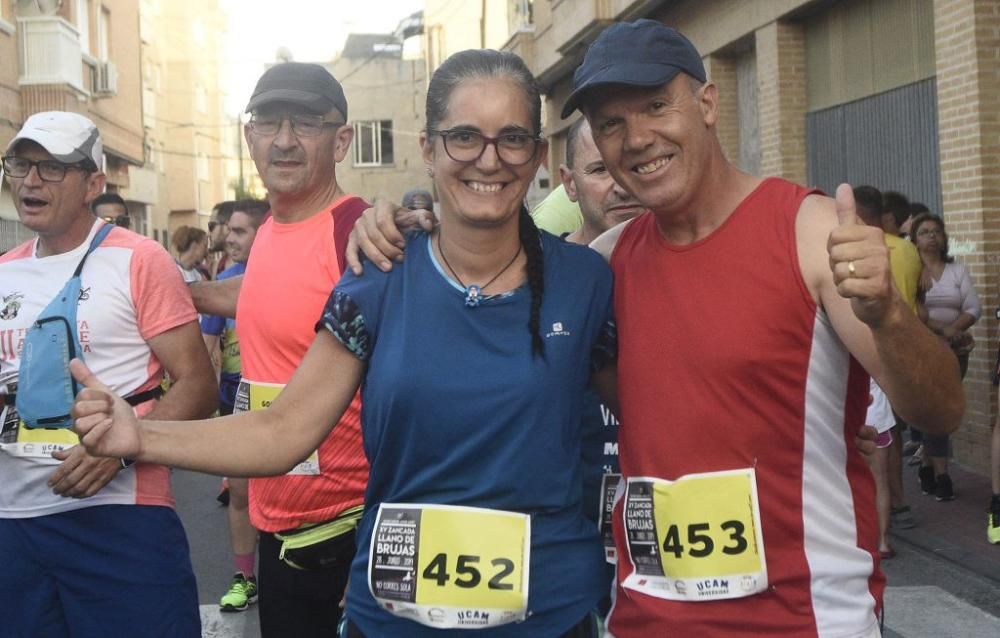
[(49, 52)]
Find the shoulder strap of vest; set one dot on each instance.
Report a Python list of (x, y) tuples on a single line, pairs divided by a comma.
[(344, 217), (102, 232)]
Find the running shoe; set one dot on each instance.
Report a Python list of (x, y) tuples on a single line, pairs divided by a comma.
[(942, 488), (993, 524), (927, 482), (242, 593)]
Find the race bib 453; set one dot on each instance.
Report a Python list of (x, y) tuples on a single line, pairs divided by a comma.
[(697, 538)]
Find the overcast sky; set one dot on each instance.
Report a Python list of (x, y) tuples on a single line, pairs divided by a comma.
[(313, 30)]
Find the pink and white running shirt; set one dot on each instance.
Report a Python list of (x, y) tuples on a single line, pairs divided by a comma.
[(130, 292)]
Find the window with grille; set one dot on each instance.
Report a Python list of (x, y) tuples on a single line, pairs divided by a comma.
[(373, 143)]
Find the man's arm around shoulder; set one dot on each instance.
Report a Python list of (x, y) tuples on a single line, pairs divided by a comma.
[(217, 297)]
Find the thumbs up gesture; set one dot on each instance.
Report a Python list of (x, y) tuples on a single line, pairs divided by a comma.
[(106, 424), (859, 260)]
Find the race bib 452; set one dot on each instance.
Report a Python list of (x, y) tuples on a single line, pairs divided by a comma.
[(450, 567)]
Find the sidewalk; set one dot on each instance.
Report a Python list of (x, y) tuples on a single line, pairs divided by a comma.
[(954, 530)]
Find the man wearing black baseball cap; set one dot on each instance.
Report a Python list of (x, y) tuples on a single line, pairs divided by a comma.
[(744, 307), (297, 133)]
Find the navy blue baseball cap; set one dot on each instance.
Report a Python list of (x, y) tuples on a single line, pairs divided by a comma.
[(641, 53)]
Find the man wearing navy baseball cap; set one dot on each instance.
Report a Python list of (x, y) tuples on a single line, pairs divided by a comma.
[(749, 310)]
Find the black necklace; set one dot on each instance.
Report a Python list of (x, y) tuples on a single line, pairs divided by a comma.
[(473, 292)]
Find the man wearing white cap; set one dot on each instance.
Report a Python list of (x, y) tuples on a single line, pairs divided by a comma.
[(91, 547)]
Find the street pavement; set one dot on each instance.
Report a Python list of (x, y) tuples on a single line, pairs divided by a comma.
[(943, 583), (208, 535)]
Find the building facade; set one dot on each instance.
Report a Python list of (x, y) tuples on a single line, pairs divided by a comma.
[(385, 93), (72, 55), (899, 94), (146, 72), (188, 136)]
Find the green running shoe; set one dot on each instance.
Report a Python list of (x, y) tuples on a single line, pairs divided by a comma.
[(993, 525), (242, 593)]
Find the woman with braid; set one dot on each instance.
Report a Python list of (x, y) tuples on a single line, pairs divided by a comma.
[(473, 356)]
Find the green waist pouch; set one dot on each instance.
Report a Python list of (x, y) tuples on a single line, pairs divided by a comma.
[(321, 545)]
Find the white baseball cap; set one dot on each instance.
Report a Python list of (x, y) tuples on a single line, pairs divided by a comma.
[(69, 137)]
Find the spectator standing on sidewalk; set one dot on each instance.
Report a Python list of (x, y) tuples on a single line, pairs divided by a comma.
[(952, 309)]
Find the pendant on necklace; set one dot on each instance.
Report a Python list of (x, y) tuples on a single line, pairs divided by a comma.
[(472, 296)]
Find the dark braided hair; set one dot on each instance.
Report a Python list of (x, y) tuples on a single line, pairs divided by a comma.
[(490, 64), (532, 245)]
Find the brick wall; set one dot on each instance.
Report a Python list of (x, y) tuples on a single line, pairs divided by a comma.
[(967, 43), (781, 67), (722, 71)]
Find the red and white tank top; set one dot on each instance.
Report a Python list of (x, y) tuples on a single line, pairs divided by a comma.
[(726, 363)]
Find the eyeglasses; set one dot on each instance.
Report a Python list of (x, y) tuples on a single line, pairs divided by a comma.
[(48, 170), (513, 149), (303, 125), (927, 232)]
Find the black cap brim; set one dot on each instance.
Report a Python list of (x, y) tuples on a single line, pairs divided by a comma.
[(632, 74), (316, 103)]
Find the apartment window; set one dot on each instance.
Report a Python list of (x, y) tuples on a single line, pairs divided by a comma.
[(373, 143), (104, 35), (83, 24)]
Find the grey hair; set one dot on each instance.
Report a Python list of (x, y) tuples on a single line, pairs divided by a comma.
[(480, 64)]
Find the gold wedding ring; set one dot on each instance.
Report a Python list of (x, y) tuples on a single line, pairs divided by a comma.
[(851, 270)]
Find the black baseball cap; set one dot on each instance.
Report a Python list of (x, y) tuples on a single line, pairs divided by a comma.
[(640, 53), (309, 85)]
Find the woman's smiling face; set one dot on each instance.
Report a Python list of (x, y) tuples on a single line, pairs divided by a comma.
[(486, 191)]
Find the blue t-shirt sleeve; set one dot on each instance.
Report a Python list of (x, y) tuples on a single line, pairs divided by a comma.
[(212, 325), (345, 321), (351, 314)]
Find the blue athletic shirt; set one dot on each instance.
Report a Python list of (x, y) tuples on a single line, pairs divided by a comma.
[(457, 410), (229, 377)]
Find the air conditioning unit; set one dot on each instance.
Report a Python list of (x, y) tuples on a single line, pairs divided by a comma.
[(105, 79)]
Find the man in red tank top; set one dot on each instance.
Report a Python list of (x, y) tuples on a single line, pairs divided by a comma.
[(750, 312)]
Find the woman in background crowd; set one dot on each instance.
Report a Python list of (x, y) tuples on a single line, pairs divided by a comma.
[(191, 245), (952, 308)]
